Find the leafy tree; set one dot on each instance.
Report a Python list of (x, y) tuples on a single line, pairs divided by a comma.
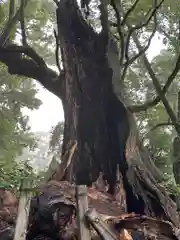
[(156, 128), (15, 134), (16, 93), (96, 66)]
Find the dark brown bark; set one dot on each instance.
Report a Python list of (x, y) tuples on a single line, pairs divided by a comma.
[(33, 67), (97, 120), (94, 117), (53, 216), (62, 197), (176, 150), (89, 102)]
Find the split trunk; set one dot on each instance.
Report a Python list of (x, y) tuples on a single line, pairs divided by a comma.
[(96, 121)]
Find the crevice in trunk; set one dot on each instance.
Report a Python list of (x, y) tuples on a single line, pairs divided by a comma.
[(98, 120), (90, 102)]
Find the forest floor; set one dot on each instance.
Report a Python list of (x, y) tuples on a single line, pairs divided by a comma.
[(55, 214)]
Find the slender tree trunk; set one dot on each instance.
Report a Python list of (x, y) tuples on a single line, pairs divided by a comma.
[(176, 155), (176, 149), (97, 120)]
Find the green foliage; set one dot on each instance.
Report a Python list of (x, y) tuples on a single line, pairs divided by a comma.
[(15, 135), (2, 15), (139, 84), (158, 140), (16, 93), (15, 172), (40, 20), (170, 186)]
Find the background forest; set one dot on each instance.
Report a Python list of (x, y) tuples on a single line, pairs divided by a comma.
[(24, 153)]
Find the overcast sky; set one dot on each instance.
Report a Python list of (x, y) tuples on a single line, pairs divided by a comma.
[(51, 112)]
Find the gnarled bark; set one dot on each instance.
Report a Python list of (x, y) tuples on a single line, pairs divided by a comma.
[(93, 114), (97, 120)]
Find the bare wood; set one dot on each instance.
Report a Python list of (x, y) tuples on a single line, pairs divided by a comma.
[(101, 227), (58, 174), (23, 214), (82, 207)]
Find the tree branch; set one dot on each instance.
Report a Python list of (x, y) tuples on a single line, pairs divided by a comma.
[(143, 50), (12, 22), (57, 50), (170, 79), (104, 20), (153, 12), (104, 16), (145, 106), (157, 85), (11, 8), (11, 13), (129, 11), (163, 32), (165, 124), (23, 31), (144, 24), (119, 29), (152, 103), (178, 108), (56, 2), (25, 50), (35, 67)]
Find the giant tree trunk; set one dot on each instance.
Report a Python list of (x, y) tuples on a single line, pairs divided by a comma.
[(95, 119), (92, 111)]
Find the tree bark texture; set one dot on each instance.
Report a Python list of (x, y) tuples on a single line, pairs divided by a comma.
[(97, 120), (176, 159), (97, 123), (93, 113)]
